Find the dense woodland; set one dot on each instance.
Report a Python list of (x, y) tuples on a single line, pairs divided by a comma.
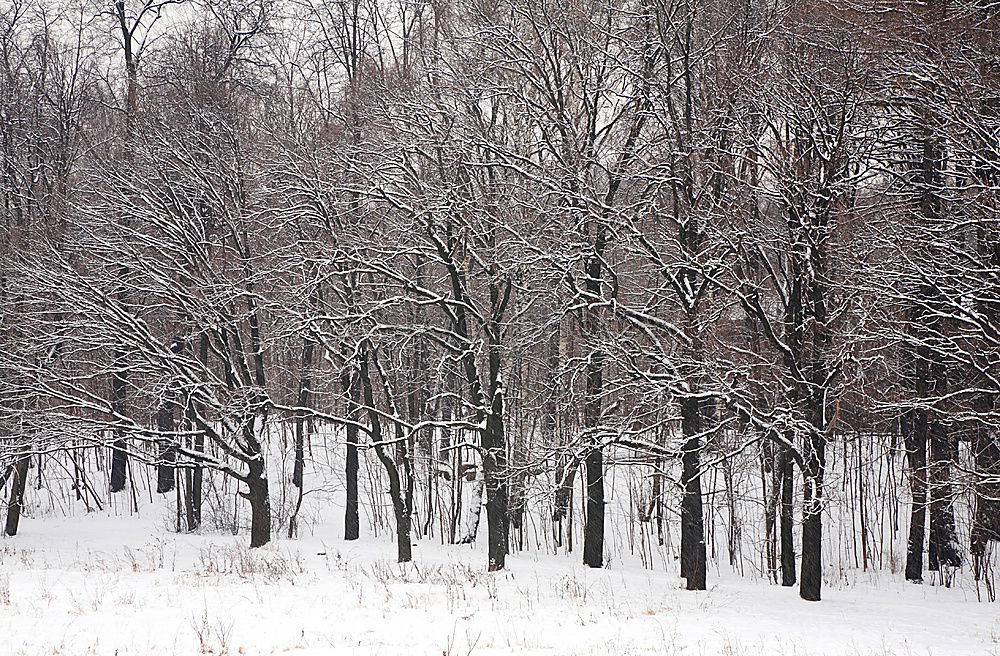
[(496, 254)]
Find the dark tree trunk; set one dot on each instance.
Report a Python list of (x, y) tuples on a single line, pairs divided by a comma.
[(119, 459), (301, 433), (786, 480), (17, 487), (769, 465), (814, 469), (404, 544), (119, 466), (495, 472), (914, 429), (812, 517), (168, 455), (193, 482), (260, 505), (198, 473), (593, 529), (497, 522), (402, 504), (352, 524), (197, 479), (942, 546), (693, 557), (302, 416), (402, 501)]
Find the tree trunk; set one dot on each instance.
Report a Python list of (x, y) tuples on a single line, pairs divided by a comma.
[(165, 465), (497, 520), (352, 524), (786, 480), (197, 479), (302, 420), (301, 432), (197, 473), (942, 547), (914, 429), (404, 544), (260, 505), (693, 558), (402, 504), (496, 475), (812, 514), (17, 487), (119, 459), (593, 529)]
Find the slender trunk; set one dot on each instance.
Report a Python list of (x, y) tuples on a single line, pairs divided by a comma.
[(693, 557), (914, 428), (193, 481), (768, 465), (787, 519), (17, 487), (197, 473), (119, 459), (301, 432), (352, 524), (593, 530), (402, 504), (812, 518), (301, 417), (168, 455), (497, 485), (197, 479)]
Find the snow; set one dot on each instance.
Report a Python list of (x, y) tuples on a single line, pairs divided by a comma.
[(126, 585)]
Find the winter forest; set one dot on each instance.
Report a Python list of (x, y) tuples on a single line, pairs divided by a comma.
[(499, 326)]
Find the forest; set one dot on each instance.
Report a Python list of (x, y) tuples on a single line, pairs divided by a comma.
[(708, 284)]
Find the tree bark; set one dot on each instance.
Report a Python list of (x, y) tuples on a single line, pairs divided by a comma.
[(402, 501), (119, 458), (914, 429), (812, 518), (352, 523), (942, 546), (693, 557), (17, 487), (593, 529), (168, 455), (497, 485), (260, 504), (786, 480)]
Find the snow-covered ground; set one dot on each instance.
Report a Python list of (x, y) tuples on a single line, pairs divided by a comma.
[(125, 585)]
